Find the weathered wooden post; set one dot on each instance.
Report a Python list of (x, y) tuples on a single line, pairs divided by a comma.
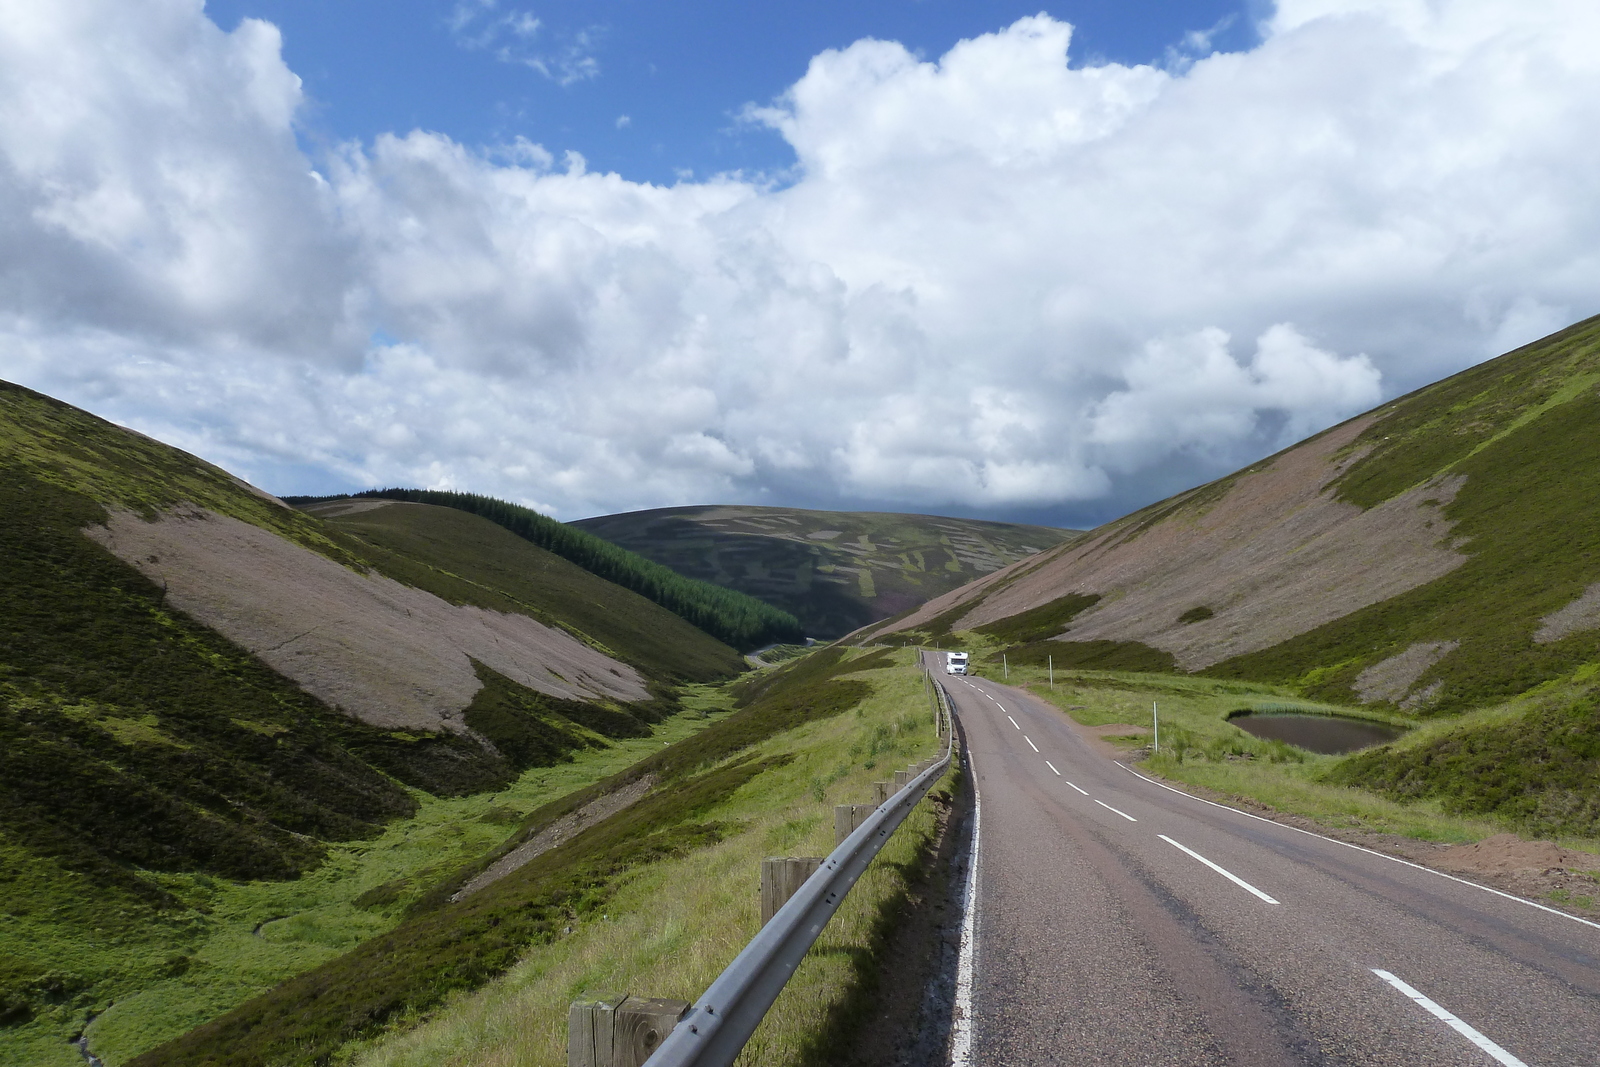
[(900, 780), (590, 1027), (846, 817), (780, 877), (881, 791), (642, 1023), (608, 1030)]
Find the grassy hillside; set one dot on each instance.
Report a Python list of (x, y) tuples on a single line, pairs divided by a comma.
[(728, 615), (835, 570), (442, 949), (525, 577), (161, 787), (1437, 556), (1522, 430)]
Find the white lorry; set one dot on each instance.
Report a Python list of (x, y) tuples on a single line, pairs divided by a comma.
[(955, 663)]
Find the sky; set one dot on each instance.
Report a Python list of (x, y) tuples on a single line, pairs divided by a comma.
[(977, 259)]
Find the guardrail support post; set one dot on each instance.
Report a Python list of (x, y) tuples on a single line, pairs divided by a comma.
[(881, 791), (642, 1023), (780, 877), (846, 817), (900, 780), (616, 1031), (590, 1028)]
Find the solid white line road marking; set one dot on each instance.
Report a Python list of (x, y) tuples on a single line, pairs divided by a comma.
[(1108, 807), (1438, 1012), (1014, 722), (1031, 745), (961, 1025), (1075, 785), (1229, 875), (1358, 848), (1052, 766)]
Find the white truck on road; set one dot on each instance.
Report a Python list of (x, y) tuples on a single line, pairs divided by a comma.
[(955, 663)]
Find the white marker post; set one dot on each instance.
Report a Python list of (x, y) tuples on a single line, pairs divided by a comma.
[(1052, 660), (1156, 719)]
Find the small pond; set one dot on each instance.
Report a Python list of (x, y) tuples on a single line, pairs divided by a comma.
[(1326, 734)]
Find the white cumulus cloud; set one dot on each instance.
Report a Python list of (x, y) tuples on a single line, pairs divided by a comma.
[(993, 280)]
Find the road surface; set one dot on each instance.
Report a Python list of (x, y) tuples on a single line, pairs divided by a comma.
[(1117, 921)]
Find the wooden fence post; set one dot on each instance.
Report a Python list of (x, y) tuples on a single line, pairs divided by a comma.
[(881, 791), (780, 877), (590, 1028), (642, 1023), (607, 1030), (846, 817), (900, 780)]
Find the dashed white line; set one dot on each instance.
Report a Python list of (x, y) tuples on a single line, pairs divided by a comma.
[(1229, 875), (1358, 848), (1108, 807), (1014, 722), (1079, 788), (1052, 766), (1031, 745), (1438, 1012)]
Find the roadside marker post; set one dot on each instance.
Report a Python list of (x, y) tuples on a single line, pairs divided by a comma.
[(1156, 721), (1052, 660), (1004, 666)]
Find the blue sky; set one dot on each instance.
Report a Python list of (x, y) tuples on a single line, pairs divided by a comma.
[(680, 72)]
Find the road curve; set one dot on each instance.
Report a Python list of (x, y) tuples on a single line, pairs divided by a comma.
[(1118, 921)]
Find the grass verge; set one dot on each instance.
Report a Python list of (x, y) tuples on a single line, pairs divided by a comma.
[(1200, 747)]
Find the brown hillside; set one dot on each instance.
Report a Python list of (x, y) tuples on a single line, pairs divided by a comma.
[(389, 654), (1271, 552)]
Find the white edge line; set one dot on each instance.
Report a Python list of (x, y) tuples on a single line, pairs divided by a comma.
[(1031, 745), (1444, 1016), (1108, 807), (1079, 788), (1358, 848), (1052, 766), (961, 1025), (1229, 875)]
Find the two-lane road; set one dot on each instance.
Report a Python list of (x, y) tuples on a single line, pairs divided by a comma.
[(1118, 921)]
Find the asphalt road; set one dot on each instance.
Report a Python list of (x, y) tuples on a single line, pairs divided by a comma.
[(1121, 922)]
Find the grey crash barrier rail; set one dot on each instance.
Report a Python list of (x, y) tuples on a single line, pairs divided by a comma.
[(717, 1026)]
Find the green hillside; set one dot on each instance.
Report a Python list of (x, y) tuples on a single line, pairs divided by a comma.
[(744, 622), (164, 792), (1524, 430), (442, 945), (1436, 558), (834, 570)]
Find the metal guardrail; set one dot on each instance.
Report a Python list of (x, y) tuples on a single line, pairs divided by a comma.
[(716, 1028)]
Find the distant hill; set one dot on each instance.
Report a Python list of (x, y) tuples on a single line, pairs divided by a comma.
[(834, 570)]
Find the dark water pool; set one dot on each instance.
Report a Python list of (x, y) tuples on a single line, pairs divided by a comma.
[(1326, 734)]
